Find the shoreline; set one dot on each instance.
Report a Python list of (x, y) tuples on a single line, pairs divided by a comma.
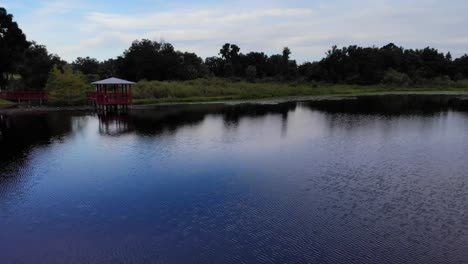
[(14, 108), (283, 99)]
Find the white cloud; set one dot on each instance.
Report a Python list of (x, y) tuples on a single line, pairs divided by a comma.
[(74, 29), (188, 18), (59, 7)]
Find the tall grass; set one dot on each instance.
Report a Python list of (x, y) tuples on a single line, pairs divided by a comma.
[(221, 89)]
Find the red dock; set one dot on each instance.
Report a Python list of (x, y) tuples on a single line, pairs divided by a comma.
[(110, 98), (23, 96)]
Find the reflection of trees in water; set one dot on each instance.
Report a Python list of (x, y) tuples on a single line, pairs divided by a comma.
[(234, 113), (167, 119), (347, 114), (19, 134), (392, 104)]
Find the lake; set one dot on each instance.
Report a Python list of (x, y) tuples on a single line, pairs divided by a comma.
[(374, 179)]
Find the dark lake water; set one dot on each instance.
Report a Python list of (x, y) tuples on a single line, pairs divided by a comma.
[(371, 180)]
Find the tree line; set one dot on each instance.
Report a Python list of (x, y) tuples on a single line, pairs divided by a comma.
[(27, 65)]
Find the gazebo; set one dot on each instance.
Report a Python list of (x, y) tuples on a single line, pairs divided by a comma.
[(112, 93)]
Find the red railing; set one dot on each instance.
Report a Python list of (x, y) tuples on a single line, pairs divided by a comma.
[(104, 98), (15, 96)]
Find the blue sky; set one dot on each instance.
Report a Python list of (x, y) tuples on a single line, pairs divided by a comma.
[(104, 29)]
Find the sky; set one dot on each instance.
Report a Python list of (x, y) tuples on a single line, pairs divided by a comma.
[(104, 29)]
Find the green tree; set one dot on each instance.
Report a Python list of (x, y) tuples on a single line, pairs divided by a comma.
[(230, 54), (461, 67), (151, 60), (286, 54), (275, 65), (310, 71), (107, 69), (257, 59), (36, 66), (86, 65), (215, 65), (12, 46), (141, 61), (190, 66), (67, 88)]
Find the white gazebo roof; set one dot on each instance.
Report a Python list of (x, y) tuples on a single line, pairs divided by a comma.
[(113, 80)]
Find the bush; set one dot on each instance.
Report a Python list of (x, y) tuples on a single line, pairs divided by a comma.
[(251, 73), (442, 81), (462, 84), (67, 88), (395, 78)]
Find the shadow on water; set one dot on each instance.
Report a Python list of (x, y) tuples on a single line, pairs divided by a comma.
[(392, 104), (157, 120), (168, 119), (20, 134)]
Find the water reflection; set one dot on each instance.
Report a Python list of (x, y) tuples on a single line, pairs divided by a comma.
[(367, 180), (162, 119), (19, 134), (393, 104), (114, 124)]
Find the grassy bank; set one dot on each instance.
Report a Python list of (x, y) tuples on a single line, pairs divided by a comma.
[(5, 103), (203, 90)]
